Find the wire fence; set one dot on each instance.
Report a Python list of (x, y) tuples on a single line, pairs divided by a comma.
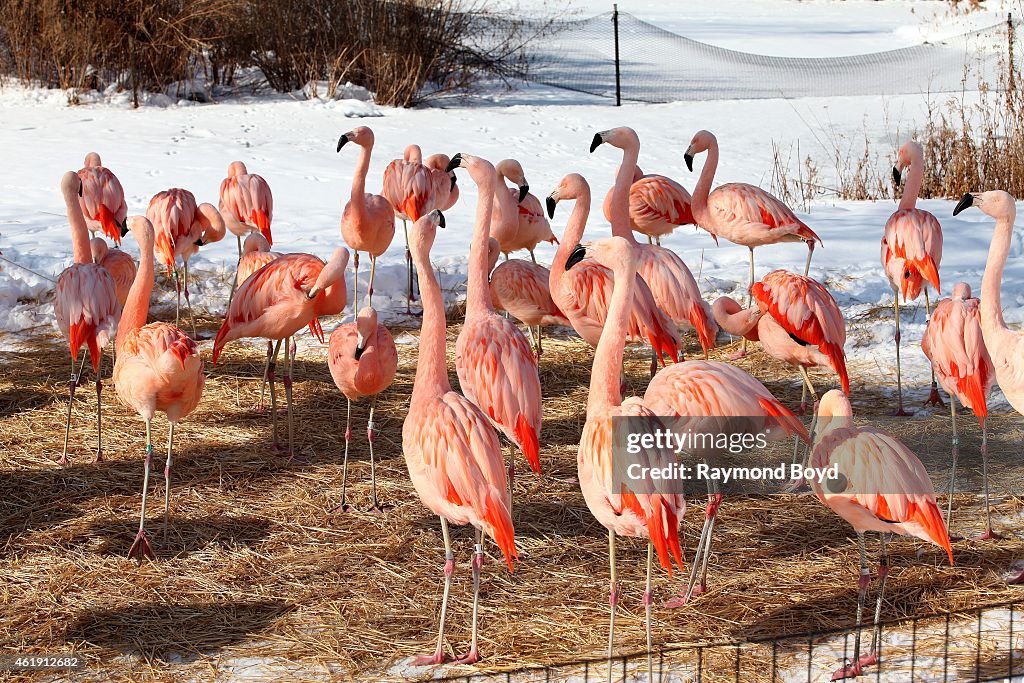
[(615, 54), (981, 644)]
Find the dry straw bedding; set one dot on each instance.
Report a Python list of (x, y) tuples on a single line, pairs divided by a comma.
[(258, 563)]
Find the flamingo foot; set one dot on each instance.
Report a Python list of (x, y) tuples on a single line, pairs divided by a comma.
[(1016, 579), (736, 355), (277, 449), (802, 410), (899, 412), (63, 461), (990, 535), (795, 486), (438, 657), (99, 456), (140, 548), (680, 599), (379, 508), (471, 657), (848, 671), (344, 507), (934, 399)]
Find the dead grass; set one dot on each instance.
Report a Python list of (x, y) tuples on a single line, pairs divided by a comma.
[(258, 564)]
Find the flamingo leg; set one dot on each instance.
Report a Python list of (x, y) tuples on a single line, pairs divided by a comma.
[(71, 400), (613, 599), (439, 657), (876, 635), (370, 434), (650, 240), (373, 270), (167, 478), (188, 302), (532, 257), (989, 534), (956, 454), (814, 410), (810, 253), (408, 269), (344, 507), (899, 379), (854, 669), (99, 410), (355, 281), (273, 394), (140, 547), (750, 301), (289, 356), (540, 346), (647, 611), (934, 399), (177, 306), (266, 370), (473, 656), (234, 280)]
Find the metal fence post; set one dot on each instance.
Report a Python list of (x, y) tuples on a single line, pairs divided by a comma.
[(618, 82)]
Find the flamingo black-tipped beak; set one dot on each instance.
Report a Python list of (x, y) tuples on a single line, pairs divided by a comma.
[(124, 229), (965, 201), (452, 187), (440, 219), (199, 242), (596, 142), (359, 351), (579, 253), (688, 158), (79, 188), (455, 163), (311, 294), (523, 190), (342, 141), (896, 175), (551, 204)]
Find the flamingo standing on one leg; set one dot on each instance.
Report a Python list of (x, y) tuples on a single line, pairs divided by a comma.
[(657, 205), (118, 263), (742, 213), (703, 388), (453, 454), (518, 220), (911, 251), (102, 198), (623, 510), (882, 487), (583, 293), (86, 306), (158, 369), (246, 205), (368, 221), (363, 359), (674, 288), (497, 369), (181, 227), (414, 190), (278, 300), (522, 289), (955, 345)]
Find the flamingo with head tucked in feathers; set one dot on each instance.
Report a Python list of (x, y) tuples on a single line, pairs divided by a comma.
[(118, 263), (246, 205), (102, 199)]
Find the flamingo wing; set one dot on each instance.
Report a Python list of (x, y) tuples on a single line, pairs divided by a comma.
[(86, 308), (159, 368), (676, 293), (410, 188), (173, 215), (742, 203), (954, 344), (911, 251), (659, 200), (522, 289)]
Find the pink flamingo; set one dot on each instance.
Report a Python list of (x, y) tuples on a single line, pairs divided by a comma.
[(911, 251), (368, 221), (246, 205), (882, 487), (439, 162), (671, 282), (703, 388), (626, 511), (955, 345), (657, 205), (116, 262), (181, 227), (158, 369), (583, 293), (255, 254), (102, 198), (453, 454), (742, 213), (86, 306), (278, 300), (496, 367), (518, 221), (522, 289), (414, 190), (363, 359), (796, 320)]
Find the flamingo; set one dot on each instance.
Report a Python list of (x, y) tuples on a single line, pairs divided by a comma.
[(671, 282), (86, 306), (255, 254), (102, 198), (278, 300), (181, 227), (796, 320), (584, 292), (158, 369), (368, 221), (414, 190), (883, 487), (657, 205), (518, 221), (116, 262), (911, 251), (954, 343), (453, 454), (363, 359), (496, 367), (654, 514), (742, 213), (246, 205), (522, 289), (703, 388), (439, 162)]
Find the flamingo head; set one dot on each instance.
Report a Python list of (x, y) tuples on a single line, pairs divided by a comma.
[(361, 136), (995, 203), (909, 153), (573, 186), (421, 237), (366, 325), (962, 291), (99, 248), (92, 160), (702, 141), (493, 252), (833, 404), (614, 253), (236, 168), (211, 224), (513, 170), (255, 241), (479, 168), (142, 231), (621, 137), (440, 162), (71, 184), (332, 273)]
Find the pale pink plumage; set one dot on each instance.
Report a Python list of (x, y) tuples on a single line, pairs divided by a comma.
[(374, 370), (657, 204), (413, 188), (255, 254), (102, 198), (118, 263), (912, 243), (181, 225), (517, 223), (246, 202), (521, 288), (439, 162)]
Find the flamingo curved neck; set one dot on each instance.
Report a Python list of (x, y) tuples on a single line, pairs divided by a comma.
[(992, 321), (431, 366), (79, 231), (604, 377), (574, 228), (136, 306), (620, 193), (478, 299), (914, 178), (699, 199), (509, 207), (359, 181)]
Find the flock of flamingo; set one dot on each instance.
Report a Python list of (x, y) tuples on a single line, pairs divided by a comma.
[(611, 292)]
